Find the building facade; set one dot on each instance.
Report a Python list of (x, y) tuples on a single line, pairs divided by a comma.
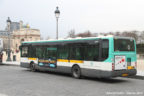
[(24, 34), (19, 32), (4, 36)]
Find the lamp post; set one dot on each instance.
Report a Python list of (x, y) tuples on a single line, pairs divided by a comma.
[(57, 14), (9, 42)]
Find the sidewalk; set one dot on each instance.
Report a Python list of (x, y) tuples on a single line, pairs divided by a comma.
[(140, 73), (11, 63), (140, 67)]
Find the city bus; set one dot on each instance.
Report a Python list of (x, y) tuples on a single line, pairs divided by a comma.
[(100, 57)]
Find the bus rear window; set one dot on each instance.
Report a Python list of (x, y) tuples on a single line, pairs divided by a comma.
[(124, 45)]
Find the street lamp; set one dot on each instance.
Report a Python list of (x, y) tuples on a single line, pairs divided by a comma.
[(57, 14), (9, 42)]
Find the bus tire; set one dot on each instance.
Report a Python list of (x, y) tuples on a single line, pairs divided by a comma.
[(32, 67), (76, 72)]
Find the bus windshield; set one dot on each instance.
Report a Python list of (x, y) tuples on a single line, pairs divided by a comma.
[(124, 45)]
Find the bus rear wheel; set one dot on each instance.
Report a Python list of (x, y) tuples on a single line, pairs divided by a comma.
[(76, 72), (32, 67)]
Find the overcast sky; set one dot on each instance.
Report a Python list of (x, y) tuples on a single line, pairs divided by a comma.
[(81, 15)]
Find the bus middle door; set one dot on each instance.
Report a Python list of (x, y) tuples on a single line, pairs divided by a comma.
[(51, 57)]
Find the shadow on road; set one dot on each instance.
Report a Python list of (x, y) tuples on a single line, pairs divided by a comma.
[(50, 72), (108, 80), (104, 80), (1, 64)]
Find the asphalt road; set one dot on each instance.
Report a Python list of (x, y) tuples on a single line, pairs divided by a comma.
[(16, 81)]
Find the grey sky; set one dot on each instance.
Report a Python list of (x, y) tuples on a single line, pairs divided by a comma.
[(81, 15)]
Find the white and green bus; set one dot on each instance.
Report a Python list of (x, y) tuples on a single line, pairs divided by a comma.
[(101, 57)]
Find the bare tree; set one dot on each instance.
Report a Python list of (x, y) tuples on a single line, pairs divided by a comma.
[(117, 33), (85, 34), (94, 34), (133, 34), (105, 34), (71, 33), (111, 33), (141, 37)]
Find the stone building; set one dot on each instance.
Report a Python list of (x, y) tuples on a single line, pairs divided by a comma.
[(25, 33), (19, 32), (4, 36)]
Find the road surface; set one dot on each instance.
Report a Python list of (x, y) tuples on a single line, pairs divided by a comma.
[(16, 81)]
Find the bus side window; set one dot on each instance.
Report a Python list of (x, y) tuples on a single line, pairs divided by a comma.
[(39, 52), (63, 52), (105, 49), (72, 53), (31, 51), (92, 52), (51, 52), (77, 53)]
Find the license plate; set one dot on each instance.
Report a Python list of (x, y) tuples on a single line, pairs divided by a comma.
[(130, 67), (124, 75)]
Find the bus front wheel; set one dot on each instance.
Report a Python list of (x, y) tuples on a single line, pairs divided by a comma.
[(32, 67), (76, 72)]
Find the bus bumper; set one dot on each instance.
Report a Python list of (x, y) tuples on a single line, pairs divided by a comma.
[(120, 73), (108, 74)]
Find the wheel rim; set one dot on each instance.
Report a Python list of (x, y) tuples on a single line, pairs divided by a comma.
[(32, 67), (76, 72)]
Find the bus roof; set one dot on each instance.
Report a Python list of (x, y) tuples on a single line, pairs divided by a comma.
[(75, 39)]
